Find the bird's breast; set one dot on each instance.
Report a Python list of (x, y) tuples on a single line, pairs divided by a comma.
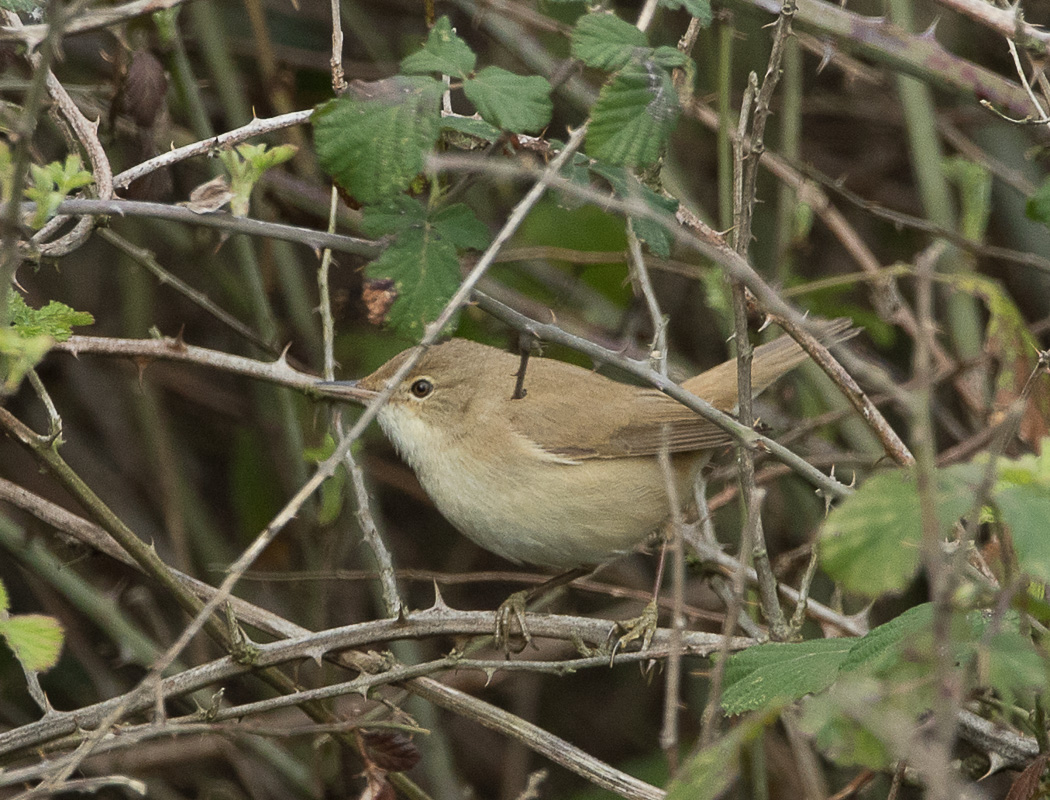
[(527, 505)]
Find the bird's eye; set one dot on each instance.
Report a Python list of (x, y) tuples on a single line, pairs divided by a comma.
[(421, 388)]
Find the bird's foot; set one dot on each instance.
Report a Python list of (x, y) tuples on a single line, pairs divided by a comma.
[(512, 610), (641, 627)]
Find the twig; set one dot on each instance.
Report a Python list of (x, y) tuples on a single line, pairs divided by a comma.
[(1007, 21), (557, 750), (437, 621), (393, 605), (98, 17), (146, 259), (257, 127), (227, 222)]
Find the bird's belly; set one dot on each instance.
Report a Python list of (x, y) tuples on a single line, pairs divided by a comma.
[(557, 515)]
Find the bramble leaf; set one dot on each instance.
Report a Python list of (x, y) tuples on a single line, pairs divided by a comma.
[(604, 41), (871, 542), (634, 116), (444, 53), (55, 319), (422, 261), (701, 9), (516, 103), (374, 142), (36, 639), (781, 672)]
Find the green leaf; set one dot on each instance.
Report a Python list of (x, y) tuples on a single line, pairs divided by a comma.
[(36, 639), (516, 103), (422, 260), (460, 225), (6, 168), (333, 489), (477, 128), (634, 116), (871, 542), (444, 53), (1010, 664), (55, 319), (18, 355), (424, 267), (779, 672), (5, 601), (837, 732), (701, 9), (52, 183), (246, 163), (400, 214), (604, 41), (1025, 508), (655, 235), (710, 772), (374, 143), (21, 6), (877, 649), (669, 57), (1038, 206), (628, 187)]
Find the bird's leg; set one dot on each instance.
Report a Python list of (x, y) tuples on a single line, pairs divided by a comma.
[(644, 625), (513, 608)]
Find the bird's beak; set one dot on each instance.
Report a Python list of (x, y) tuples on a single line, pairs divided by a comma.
[(346, 390)]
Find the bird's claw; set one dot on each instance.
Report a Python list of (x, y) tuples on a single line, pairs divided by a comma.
[(641, 627), (512, 610)]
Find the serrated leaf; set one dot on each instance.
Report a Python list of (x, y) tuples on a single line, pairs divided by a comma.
[(375, 142), (669, 57), (444, 53), (55, 319), (779, 672), (477, 128), (422, 261), (701, 9), (460, 225), (392, 217), (425, 270), (877, 648), (604, 41), (516, 103), (36, 639), (634, 116), (871, 542)]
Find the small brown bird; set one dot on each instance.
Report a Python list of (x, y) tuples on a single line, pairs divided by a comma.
[(567, 475)]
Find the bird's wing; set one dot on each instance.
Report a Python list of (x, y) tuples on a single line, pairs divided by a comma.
[(614, 420)]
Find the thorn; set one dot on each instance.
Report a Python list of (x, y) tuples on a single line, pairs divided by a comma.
[(765, 323), (931, 32), (826, 56), (282, 359), (439, 601)]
